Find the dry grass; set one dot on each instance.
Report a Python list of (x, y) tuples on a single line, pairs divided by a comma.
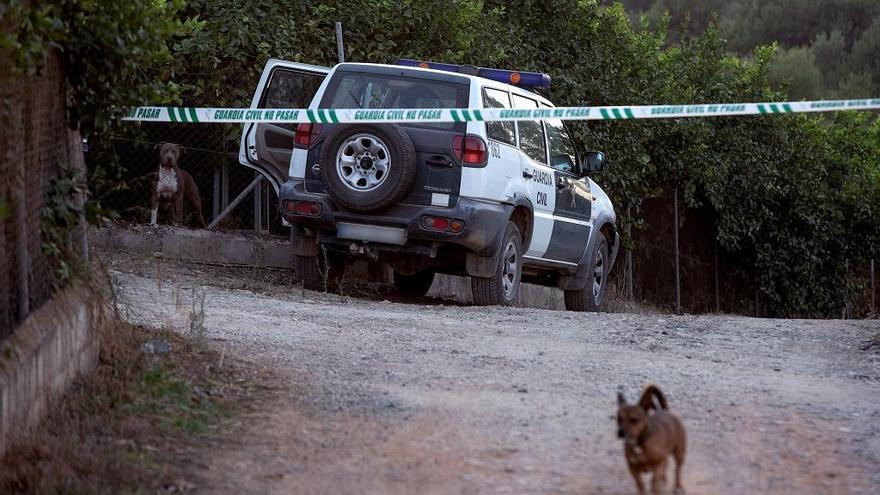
[(134, 424)]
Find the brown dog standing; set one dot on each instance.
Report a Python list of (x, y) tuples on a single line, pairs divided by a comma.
[(171, 186), (650, 435)]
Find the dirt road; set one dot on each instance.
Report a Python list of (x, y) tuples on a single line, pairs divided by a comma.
[(382, 397)]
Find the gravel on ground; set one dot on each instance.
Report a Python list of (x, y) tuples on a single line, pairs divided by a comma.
[(435, 397)]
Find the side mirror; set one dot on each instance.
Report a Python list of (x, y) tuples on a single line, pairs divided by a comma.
[(593, 162)]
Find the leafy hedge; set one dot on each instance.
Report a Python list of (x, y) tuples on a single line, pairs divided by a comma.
[(795, 198)]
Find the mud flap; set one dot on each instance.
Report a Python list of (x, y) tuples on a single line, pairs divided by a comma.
[(481, 266), (304, 242)]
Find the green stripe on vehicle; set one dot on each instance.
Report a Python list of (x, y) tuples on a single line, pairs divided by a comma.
[(774, 108), (604, 113), (192, 115), (467, 115), (787, 108), (617, 114), (171, 116), (455, 117), (333, 116), (479, 115), (761, 109), (629, 113), (311, 115)]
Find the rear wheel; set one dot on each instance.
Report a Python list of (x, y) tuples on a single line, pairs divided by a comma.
[(416, 285), (502, 288), (592, 296), (322, 272)]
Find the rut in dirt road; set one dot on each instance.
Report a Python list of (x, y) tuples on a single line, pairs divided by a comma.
[(396, 398)]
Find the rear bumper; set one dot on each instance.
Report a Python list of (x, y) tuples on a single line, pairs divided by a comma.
[(484, 222)]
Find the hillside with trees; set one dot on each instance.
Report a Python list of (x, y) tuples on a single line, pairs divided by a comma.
[(826, 48)]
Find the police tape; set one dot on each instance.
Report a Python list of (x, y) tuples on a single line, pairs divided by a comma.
[(345, 116)]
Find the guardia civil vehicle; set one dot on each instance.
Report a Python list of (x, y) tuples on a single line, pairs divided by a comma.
[(501, 202)]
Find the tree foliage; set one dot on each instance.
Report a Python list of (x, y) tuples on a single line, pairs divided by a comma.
[(843, 34), (107, 46)]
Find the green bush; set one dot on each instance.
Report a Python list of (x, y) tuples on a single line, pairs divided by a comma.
[(108, 46)]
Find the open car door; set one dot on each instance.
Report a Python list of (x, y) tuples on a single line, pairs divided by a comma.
[(267, 148)]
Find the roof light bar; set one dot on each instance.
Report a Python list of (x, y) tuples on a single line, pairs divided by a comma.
[(535, 80)]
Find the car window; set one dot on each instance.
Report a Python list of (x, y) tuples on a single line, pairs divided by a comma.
[(531, 132), (499, 131), (290, 89), (382, 91), (562, 154)]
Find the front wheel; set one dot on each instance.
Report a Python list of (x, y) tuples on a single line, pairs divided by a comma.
[(592, 296), (502, 288)]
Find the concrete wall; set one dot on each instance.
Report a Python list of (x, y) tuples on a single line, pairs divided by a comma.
[(51, 347), (244, 249), (204, 246)]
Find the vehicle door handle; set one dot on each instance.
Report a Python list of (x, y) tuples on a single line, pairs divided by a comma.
[(438, 161), (561, 184), (528, 175)]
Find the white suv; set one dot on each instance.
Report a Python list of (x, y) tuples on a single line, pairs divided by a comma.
[(502, 202)]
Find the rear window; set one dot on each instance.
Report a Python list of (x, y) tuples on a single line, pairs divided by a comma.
[(381, 91), (499, 131)]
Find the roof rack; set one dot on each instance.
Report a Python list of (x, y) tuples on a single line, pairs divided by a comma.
[(530, 80)]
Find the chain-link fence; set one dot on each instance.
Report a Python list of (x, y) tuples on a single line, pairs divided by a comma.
[(36, 144), (124, 169), (709, 279)]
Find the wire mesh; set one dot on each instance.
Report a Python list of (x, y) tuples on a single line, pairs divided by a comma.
[(123, 169), (35, 142)]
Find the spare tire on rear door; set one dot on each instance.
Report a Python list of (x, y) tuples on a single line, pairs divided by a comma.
[(368, 167)]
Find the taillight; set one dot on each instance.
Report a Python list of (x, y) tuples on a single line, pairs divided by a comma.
[(443, 224), (471, 150), (305, 208), (306, 134)]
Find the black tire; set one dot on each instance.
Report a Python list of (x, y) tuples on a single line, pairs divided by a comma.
[(416, 285), (588, 299), (396, 182), (315, 274), (493, 291)]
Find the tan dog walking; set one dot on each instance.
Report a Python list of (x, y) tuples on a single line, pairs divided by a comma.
[(650, 435)]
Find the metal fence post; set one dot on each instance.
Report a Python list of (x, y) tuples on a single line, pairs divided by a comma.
[(873, 290), (629, 257), (238, 199), (340, 50), (258, 205), (677, 264), (717, 282), (18, 200), (224, 184), (215, 210)]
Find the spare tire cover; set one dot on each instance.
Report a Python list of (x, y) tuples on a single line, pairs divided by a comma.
[(368, 167)]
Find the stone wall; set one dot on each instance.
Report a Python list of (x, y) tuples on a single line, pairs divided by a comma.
[(49, 349)]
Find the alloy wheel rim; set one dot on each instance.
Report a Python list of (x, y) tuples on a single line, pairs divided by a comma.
[(598, 277), (362, 162), (510, 269)]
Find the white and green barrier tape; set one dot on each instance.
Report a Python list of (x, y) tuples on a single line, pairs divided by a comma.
[(343, 116)]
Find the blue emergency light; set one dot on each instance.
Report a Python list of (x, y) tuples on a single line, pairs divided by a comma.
[(533, 80)]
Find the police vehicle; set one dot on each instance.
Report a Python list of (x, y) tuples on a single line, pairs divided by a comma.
[(501, 202)]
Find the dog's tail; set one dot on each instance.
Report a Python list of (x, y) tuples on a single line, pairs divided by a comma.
[(647, 401)]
